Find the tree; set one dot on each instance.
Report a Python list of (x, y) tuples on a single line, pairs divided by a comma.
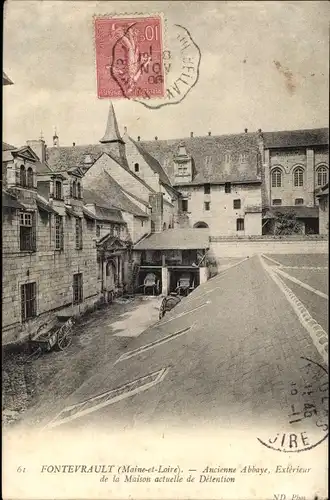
[(286, 224)]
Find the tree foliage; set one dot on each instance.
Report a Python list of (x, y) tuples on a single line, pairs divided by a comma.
[(287, 223)]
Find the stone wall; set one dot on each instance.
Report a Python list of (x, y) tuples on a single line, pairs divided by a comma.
[(247, 248), (52, 271)]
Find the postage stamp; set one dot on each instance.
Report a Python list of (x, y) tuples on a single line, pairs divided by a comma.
[(305, 424), (129, 57)]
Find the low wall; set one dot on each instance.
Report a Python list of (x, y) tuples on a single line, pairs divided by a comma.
[(220, 248)]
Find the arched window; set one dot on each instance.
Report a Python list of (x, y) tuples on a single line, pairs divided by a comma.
[(201, 225), (164, 226), (276, 177), (298, 177), (74, 189), (22, 176), (321, 175), (78, 190), (29, 177)]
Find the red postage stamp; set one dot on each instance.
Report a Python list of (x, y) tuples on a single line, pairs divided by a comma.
[(129, 57)]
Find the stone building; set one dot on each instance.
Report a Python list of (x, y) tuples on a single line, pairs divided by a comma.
[(138, 175), (296, 166), (219, 180), (49, 251)]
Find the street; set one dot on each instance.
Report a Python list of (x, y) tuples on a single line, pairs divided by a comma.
[(232, 352)]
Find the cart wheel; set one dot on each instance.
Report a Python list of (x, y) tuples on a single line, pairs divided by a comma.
[(64, 339)]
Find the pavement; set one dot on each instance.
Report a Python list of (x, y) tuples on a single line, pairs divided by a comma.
[(233, 353)]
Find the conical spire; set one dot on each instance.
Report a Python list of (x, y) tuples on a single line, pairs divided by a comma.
[(112, 131)]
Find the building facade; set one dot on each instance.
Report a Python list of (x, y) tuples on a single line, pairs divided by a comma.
[(49, 251), (295, 167)]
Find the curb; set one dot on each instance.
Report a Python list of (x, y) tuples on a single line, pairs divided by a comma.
[(315, 330)]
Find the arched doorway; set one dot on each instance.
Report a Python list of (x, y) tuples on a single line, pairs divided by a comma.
[(201, 225)]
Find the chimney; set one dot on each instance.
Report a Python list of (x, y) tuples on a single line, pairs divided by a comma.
[(56, 142), (209, 132), (156, 138), (73, 144), (139, 138), (39, 148), (191, 134), (246, 130)]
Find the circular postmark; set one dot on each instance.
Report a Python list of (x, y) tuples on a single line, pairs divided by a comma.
[(149, 73), (181, 62), (305, 425)]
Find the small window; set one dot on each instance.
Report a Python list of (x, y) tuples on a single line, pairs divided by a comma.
[(184, 205), (78, 190), (207, 205), (27, 231), (98, 231), (59, 235), (298, 177), (28, 301), (58, 190), (182, 170), (227, 187), (239, 224), (299, 201), (22, 176), (277, 202), (29, 177), (237, 204), (276, 177), (79, 243), (207, 188), (77, 288), (136, 167), (74, 189)]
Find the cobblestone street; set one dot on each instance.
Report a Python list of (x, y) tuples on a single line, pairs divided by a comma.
[(97, 341), (232, 352)]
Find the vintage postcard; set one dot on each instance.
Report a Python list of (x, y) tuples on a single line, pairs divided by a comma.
[(165, 170)]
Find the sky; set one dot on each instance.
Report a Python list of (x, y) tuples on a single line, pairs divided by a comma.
[(263, 65)]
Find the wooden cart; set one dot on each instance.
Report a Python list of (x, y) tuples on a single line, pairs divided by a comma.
[(58, 337)]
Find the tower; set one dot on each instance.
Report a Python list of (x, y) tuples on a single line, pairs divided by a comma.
[(112, 140)]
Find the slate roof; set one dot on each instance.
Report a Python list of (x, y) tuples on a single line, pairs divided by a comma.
[(7, 147), (208, 155), (296, 138), (6, 80), (324, 191), (43, 204), (9, 201), (175, 239), (105, 188), (301, 212), (152, 162)]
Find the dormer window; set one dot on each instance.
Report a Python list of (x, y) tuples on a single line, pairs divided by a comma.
[(58, 190), (182, 170), (22, 176), (29, 177)]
